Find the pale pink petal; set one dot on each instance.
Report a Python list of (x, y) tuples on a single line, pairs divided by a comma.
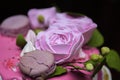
[(47, 13)]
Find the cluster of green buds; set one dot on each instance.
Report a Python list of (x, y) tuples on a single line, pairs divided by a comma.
[(94, 62), (96, 59)]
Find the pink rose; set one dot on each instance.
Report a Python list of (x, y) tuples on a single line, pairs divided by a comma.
[(47, 14), (86, 26), (60, 17), (63, 43), (81, 23)]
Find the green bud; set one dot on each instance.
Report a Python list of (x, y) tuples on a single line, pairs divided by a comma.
[(20, 41), (41, 19), (94, 57), (100, 56), (105, 50), (89, 66), (37, 31)]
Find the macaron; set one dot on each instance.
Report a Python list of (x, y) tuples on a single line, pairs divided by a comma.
[(14, 25), (37, 63)]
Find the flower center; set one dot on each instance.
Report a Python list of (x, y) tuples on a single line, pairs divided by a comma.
[(58, 39)]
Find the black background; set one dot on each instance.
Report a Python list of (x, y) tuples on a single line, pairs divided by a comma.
[(106, 13)]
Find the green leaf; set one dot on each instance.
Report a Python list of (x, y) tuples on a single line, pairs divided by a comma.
[(20, 41), (98, 67), (58, 71), (96, 40), (113, 60)]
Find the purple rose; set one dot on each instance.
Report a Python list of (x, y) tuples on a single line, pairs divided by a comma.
[(46, 15), (86, 26), (83, 24), (63, 43)]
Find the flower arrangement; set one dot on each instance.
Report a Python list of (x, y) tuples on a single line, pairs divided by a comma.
[(73, 39)]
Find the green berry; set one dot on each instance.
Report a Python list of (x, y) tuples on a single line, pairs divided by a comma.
[(41, 19), (105, 50), (100, 56), (20, 41), (94, 57), (89, 66)]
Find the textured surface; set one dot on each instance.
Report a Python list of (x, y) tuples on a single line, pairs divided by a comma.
[(36, 63), (14, 25), (9, 58)]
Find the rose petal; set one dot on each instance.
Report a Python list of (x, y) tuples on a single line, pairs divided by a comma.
[(65, 43), (28, 47), (61, 48), (31, 36), (83, 24), (47, 13)]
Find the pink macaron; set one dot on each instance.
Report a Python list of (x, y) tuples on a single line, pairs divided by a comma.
[(14, 25), (37, 63)]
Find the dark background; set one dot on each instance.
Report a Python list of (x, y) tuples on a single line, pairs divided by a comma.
[(106, 13)]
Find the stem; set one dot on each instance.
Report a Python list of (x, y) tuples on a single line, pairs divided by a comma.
[(76, 67)]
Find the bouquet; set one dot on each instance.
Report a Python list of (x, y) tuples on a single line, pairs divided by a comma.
[(73, 40)]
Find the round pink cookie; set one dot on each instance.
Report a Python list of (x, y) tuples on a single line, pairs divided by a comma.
[(37, 63), (14, 25)]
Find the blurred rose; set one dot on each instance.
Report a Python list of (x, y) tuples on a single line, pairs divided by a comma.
[(63, 43), (66, 34), (83, 24), (47, 14)]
